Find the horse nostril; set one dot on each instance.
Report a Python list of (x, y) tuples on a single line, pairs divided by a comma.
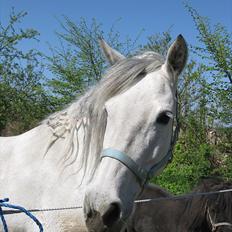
[(89, 214), (112, 214)]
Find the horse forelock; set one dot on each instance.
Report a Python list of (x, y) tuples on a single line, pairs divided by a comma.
[(91, 106)]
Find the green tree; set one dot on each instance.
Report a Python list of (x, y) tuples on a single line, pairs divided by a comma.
[(78, 63), (215, 50), (159, 43), (22, 98), (216, 53), (190, 163)]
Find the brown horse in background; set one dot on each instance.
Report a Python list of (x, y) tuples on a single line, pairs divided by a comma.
[(205, 213)]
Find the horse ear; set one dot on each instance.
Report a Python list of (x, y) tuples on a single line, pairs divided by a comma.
[(177, 55), (111, 55)]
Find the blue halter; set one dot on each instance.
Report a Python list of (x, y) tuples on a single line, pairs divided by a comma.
[(141, 174)]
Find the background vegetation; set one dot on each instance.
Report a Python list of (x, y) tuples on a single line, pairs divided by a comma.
[(204, 147)]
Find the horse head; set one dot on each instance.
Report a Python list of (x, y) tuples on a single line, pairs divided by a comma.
[(138, 130)]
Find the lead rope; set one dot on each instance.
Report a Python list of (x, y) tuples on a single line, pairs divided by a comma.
[(2, 217), (3, 203)]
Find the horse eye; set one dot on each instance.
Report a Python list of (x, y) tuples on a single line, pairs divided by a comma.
[(163, 118)]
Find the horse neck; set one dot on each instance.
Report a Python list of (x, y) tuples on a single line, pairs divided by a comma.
[(154, 191), (195, 212), (66, 141)]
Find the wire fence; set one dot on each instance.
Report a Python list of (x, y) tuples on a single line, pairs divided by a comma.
[(186, 196), (180, 197)]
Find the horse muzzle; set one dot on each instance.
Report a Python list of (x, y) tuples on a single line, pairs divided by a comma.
[(101, 215)]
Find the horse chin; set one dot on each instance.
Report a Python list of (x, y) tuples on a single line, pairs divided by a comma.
[(95, 224)]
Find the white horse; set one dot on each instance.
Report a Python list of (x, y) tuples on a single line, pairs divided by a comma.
[(97, 152)]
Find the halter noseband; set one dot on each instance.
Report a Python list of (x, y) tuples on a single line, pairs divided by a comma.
[(141, 174), (218, 224)]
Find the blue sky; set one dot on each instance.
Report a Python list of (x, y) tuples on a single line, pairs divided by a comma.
[(151, 15)]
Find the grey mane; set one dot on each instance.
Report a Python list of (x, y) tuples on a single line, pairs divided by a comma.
[(90, 111)]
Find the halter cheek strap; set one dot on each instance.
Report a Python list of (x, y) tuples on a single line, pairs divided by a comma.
[(141, 174)]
